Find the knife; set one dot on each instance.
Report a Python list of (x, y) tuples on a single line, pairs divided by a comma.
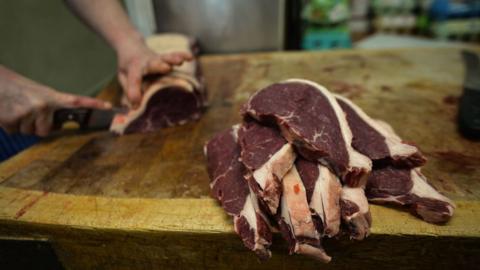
[(87, 119), (469, 111)]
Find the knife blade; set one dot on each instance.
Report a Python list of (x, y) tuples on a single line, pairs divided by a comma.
[(86, 118), (469, 110)]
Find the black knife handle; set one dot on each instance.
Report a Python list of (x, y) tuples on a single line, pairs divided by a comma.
[(77, 115), (469, 114), (469, 110)]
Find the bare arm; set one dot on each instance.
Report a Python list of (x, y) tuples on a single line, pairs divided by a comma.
[(27, 106), (109, 20), (135, 59)]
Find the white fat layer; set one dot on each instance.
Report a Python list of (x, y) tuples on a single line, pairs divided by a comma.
[(422, 189), (205, 150), (331, 191), (393, 199), (165, 82), (249, 211), (278, 165), (316, 202), (356, 160), (172, 42), (235, 129), (295, 209), (393, 141), (169, 42), (314, 252), (357, 196)]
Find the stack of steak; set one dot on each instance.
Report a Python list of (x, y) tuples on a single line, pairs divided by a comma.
[(306, 162)]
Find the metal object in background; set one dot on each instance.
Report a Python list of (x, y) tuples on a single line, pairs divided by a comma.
[(469, 111), (224, 26)]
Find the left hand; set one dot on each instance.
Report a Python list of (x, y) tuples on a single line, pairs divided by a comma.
[(135, 60)]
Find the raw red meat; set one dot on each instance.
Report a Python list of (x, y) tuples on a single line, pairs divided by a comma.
[(296, 224), (268, 156), (230, 188), (296, 142), (310, 118), (355, 212), (376, 141), (409, 187), (168, 100), (323, 190)]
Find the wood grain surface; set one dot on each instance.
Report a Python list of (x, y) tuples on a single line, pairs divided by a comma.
[(92, 189)]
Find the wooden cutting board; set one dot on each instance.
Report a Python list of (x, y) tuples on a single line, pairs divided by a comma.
[(142, 200)]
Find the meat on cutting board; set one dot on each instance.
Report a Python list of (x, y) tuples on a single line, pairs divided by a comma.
[(355, 212), (310, 118), (230, 188), (409, 187), (323, 190), (403, 186), (171, 99), (295, 221), (268, 156), (376, 141)]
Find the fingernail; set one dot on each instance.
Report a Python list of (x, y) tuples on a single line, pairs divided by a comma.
[(107, 105)]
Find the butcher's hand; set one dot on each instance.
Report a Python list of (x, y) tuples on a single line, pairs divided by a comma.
[(27, 106), (136, 60)]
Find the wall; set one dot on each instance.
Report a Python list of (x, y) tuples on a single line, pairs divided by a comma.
[(44, 41)]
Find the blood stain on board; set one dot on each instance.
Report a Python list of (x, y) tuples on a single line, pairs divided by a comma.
[(450, 100)]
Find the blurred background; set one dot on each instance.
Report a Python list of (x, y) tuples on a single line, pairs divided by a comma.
[(44, 41)]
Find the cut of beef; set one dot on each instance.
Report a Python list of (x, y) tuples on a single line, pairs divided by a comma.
[(310, 118), (409, 187), (171, 99), (269, 157), (376, 141), (295, 222), (230, 188), (323, 192), (355, 212)]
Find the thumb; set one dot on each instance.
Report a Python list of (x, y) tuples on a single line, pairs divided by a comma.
[(74, 101)]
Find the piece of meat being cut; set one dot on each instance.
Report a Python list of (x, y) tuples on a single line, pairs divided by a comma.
[(355, 212), (230, 188), (268, 156), (409, 187), (376, 141), (171, 99), (310, 118), (295, 220), (323, 190)]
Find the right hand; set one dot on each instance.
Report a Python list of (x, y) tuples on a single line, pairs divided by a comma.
[(27, 106), (136, 60)]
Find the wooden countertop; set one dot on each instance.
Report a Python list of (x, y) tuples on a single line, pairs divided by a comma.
[(143, 199)]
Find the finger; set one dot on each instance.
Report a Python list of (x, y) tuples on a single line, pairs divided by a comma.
[(27, 124), (74, 101), (122, 78), (177, 58), (172, 59), (184, 55), (157, 65), (134, 80), (43, 123)]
